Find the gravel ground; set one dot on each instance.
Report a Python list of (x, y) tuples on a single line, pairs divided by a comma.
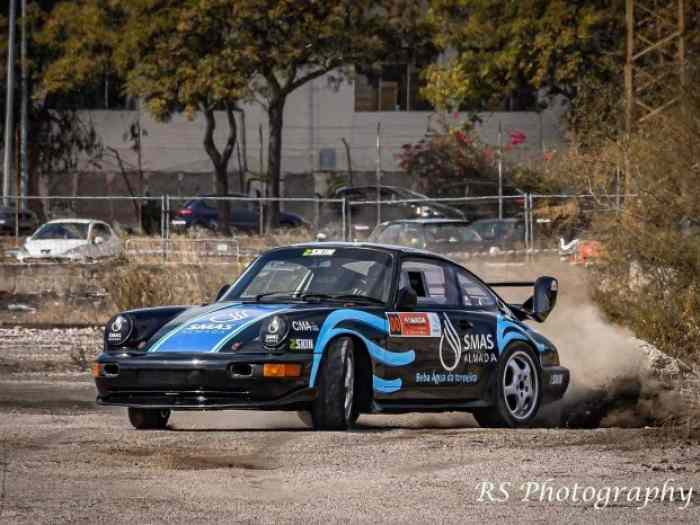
[(62, 459)]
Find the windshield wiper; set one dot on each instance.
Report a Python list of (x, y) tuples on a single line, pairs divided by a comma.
[(268, 294), (341, 297)]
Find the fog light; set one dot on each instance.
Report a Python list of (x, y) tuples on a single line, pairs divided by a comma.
[(96, 370), (281, 370)]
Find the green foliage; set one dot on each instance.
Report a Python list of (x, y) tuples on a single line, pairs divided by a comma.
[(503, 46)]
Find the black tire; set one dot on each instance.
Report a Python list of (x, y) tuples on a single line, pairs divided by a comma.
[(148, 418), (336, 407), (518, 391)]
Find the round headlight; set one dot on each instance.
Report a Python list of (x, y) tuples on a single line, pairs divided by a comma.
[(274, 331), (119, 330)]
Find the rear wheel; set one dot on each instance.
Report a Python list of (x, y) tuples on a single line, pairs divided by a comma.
[(148, 418), (518, 391), (335, 407)]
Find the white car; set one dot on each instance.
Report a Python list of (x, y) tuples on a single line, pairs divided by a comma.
[(72, 239)]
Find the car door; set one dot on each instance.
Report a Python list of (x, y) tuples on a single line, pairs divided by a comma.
[(475, 358), (421, 330)]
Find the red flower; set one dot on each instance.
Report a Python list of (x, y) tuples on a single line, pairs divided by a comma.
[(517, 137)]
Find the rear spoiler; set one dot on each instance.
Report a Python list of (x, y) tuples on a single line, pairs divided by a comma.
[(512, 284)]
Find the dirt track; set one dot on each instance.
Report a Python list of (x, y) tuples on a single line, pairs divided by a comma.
[(66, 460)]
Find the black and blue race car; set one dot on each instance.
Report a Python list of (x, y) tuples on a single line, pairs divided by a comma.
[(334, 330)]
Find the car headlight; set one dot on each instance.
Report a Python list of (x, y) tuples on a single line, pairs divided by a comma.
[(119, 330), (274, 331)]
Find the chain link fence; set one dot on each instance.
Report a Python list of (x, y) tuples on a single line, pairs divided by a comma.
[(180, 227)]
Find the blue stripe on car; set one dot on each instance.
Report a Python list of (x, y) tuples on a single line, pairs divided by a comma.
[(329, 331), (191, 337)]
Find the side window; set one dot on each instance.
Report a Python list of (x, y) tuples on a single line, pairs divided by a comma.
[(100, 230), (430, 281), (487, 230), (474, 293), (390, 235)]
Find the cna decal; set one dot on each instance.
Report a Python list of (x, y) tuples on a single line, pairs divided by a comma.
[(472, 349)]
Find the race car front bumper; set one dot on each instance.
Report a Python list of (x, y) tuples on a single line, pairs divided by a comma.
[(202, 382), (555, 381)]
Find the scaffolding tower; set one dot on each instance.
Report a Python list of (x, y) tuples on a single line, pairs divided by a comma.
[(655, 66)]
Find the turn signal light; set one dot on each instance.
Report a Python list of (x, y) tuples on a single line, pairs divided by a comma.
[(96, 370), (281, 370)]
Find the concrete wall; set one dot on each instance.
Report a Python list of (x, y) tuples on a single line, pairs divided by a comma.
[(318, 116)]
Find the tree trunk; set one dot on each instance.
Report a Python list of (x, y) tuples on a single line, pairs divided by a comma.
[(274, 158), (220, 161)]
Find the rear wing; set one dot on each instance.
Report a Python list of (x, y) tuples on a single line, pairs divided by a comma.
[(540, 304), (512, 284)]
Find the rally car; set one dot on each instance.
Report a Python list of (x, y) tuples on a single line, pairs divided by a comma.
[(334, 330)]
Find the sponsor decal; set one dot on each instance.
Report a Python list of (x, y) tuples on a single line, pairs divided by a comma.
[(301, 344), (442, 378), (229, 316), (220, 322), (119, 330), (304, 326), (472, 349), (318, 252), (414, 324), (556, 379)]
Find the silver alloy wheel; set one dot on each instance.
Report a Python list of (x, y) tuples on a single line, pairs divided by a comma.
[(349, 384), (520, 385)]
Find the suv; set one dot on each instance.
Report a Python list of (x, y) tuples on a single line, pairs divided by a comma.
[(245, 215), (363, 217)]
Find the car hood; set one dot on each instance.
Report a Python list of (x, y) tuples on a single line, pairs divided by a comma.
[(52, 247), (214, 327)]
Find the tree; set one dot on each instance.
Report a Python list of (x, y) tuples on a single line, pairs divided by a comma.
[(203, 55), (502, 47), (293, 42), (58, 141), (178, 56)]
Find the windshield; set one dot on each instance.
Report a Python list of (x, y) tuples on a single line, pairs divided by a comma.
[(62, 230), (317, 273)]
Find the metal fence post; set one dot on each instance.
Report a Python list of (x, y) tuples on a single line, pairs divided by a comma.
[(261, 214), (344, 209), (532, 222), (527, 223), (317, 213)]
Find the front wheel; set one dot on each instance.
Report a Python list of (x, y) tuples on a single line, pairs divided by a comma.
[(148, 418), (335, 407), (518, 391)]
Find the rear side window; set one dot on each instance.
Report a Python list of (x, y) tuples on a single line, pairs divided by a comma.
[(430, 281), (474, 294)]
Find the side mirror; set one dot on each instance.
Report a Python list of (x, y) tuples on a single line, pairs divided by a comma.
[(541, 304), (222, 292), (99, 240), (407, 298)]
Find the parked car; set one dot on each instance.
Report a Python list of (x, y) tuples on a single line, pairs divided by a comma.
[(362, 218), (28, 221), (72, 239), (436, 235), (449, 236), (245, 216), (501, 234), (335, 330)]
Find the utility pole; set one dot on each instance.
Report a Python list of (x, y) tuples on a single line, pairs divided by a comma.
[(24, 116), (9, 106)]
